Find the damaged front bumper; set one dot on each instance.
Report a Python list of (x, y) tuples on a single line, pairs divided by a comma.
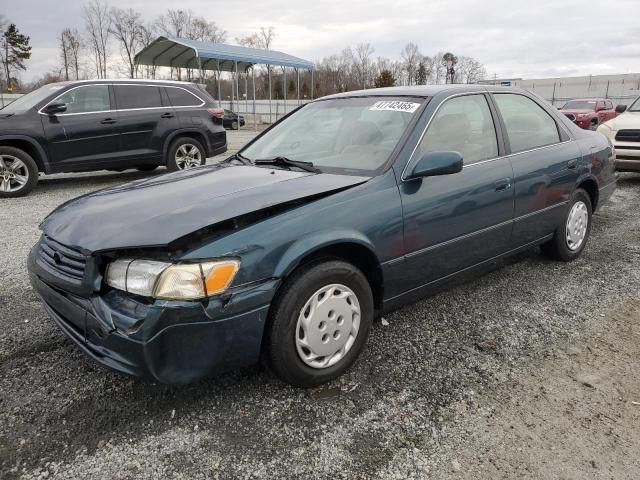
[(161, 341)]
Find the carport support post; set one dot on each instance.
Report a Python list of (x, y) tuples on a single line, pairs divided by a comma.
[(312, 84), (253, 78), (200, 69), (246, 92), (219, 94), (298, 74), (269, 75), (284, 89)]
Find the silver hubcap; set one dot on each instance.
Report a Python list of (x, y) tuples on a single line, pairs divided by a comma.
[(188, 156), (577, 224), (327, 326), (14, 174)]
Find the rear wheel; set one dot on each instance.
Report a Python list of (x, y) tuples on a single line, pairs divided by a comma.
[(594, 124), (185, 153), (234, 125), (18, 172), (319, 323), (572, 235)]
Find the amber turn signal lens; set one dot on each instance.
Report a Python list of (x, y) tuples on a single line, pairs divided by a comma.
[(219, 275)]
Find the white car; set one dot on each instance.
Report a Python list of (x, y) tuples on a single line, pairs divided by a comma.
[(624, 133)]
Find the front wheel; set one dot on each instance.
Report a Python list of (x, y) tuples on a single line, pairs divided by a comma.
[(185, 153), (571, 236), (319, 323), (18, 172)]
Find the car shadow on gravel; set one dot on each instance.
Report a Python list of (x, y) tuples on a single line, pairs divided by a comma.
[(84, 406)]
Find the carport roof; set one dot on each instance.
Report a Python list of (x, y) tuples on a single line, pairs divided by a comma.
[(185, 53)]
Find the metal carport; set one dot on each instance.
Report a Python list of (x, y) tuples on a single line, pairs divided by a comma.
[(197, 55)]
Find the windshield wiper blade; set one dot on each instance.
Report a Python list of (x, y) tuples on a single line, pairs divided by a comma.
[(239, 157), (286, 162)]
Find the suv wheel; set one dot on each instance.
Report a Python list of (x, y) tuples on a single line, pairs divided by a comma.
[(594, 124), (18, 172), (234, 125), (319, 323), (185, 153), (572, 235)]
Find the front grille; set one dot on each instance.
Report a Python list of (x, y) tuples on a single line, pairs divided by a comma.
[(64, 260), (628, 135), (570, 116)]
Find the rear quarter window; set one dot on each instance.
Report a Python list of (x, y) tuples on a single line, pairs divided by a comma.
[(180, 97)]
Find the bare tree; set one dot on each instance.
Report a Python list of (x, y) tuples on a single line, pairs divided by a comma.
[(64, 54), (411, 57), (261, 39), (74, 45), (148, 35), (362, 63), (126, 27), (469, 70), (175, 23), (98, 24), (205, 31)]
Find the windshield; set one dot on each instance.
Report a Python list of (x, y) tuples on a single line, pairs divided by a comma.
[(343, 135), (580, 105), (635, 106), (30, 100)]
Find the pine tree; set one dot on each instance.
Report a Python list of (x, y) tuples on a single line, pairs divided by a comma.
[(385, 79), (15, 51)]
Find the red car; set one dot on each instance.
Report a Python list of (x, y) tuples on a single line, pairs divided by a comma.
[(588, 113)]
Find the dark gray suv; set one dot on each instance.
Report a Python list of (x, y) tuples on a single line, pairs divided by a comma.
[(106, 124)]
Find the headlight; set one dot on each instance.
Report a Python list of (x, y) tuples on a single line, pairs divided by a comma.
[(184, 281), (607, 131)]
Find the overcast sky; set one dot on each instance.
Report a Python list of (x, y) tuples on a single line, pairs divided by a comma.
[(512, 38)]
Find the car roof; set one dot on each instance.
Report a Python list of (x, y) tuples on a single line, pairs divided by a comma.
[(123, 80), (423, 90)]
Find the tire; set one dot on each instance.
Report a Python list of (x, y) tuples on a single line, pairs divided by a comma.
[(559, 247), (16, 167), (282, 350), (186, 144), (147, 168), (234, 125), (594, 124)]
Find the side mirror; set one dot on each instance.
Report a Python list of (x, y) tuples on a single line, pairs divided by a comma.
[(437, 163), (621, 108), (54, 108)]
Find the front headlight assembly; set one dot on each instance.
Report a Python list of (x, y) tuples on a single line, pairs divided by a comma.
[(169, 281), (607, 131)]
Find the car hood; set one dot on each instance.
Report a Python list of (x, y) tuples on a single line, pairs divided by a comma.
[(625, 120), (156, 211), (577, 111)]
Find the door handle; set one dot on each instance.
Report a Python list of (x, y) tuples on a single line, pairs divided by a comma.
[(504, 184), (167, 115), (108, 121), (572, 164)]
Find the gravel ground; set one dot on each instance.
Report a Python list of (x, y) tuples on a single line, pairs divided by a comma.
[(414, 406)]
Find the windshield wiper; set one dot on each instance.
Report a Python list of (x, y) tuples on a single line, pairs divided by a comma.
[(239, 157), (286, 162)]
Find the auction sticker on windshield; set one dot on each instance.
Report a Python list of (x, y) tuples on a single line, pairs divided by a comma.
[(396, 106)]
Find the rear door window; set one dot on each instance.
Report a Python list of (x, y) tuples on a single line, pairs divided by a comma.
[(137, 96), (528, 125), (180, 97), (464, 125)]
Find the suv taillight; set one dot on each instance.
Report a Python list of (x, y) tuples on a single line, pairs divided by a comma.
[(216, 112)]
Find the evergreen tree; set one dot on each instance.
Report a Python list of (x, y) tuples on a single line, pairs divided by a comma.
[(15, 51), (385, 79)]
